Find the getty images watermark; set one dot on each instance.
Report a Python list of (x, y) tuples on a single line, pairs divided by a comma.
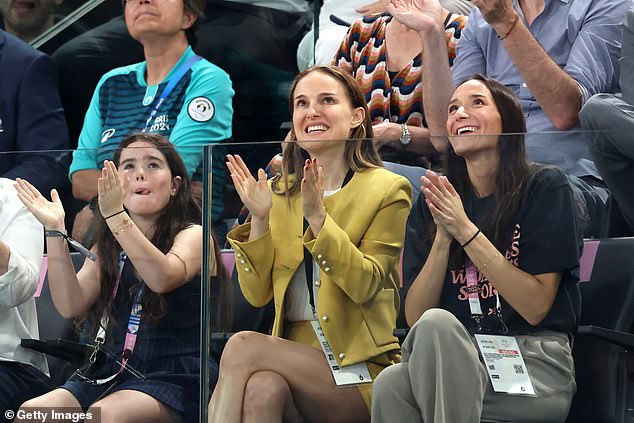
[(59, 415)]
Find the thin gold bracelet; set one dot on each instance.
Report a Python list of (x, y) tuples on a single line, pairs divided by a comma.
[(125, 224), (489, 261)]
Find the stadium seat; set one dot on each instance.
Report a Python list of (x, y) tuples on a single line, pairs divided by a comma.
[(603, 346), (244, 315)]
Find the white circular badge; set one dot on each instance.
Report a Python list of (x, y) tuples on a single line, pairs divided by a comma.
[(201, 109)]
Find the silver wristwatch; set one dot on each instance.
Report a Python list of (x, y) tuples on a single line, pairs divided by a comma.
[(406, 136)]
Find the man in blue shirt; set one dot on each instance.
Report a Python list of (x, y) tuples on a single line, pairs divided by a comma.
[(554, 54)]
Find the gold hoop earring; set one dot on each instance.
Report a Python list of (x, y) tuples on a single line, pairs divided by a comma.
[(365, 133)]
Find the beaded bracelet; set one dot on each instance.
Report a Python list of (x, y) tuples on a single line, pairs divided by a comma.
[(127, 223)]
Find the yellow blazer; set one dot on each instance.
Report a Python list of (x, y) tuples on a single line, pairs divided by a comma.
[(357, 251)]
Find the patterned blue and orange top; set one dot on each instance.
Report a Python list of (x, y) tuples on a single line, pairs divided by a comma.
[(393, 99)]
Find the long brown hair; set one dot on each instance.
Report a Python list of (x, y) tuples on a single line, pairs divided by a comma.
[(181, 212), (359, 152), (511, 176)]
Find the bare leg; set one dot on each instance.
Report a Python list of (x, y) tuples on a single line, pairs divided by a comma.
[(268, 398), (58, 398), (129, 406), (304, 369)]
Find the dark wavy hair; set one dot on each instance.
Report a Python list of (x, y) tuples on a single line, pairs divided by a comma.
[(359, 152), (197, 7), (182, 211), (510, 179)]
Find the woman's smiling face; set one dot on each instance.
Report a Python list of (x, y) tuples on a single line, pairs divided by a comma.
[(474, 122), (322, 112)]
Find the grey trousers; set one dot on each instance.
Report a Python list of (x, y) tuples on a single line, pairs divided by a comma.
[(442, 379), (609, 121)]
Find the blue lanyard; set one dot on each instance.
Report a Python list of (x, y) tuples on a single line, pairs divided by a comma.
[(170, 86)]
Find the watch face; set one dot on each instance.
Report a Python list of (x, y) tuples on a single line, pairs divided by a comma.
[(406, 136)]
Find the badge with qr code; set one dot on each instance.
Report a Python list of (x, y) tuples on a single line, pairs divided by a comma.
[(505, 364)]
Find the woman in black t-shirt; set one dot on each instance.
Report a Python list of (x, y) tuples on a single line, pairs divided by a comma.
[(490, 249)]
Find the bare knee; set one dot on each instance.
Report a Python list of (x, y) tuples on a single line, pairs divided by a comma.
[(266, 390), (58, 398), (241, 351), (106, 414)]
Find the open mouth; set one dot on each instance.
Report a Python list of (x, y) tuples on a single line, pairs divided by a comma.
[(315, 129), (466, 130)]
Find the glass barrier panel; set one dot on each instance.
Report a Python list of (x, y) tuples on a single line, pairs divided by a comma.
[(210, 312)]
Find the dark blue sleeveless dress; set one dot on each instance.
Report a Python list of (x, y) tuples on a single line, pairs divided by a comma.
[(166, 353)]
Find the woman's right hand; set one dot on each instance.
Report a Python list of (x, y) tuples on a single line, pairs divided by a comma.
[(428, 181), (255, 195), (49, 213), (419, 15)]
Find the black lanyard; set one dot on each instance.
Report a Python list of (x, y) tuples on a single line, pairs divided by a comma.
[(308, 258)]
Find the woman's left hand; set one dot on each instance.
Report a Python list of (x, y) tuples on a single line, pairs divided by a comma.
[(313, 194), (110, 190), (446, 206), (419, 15)]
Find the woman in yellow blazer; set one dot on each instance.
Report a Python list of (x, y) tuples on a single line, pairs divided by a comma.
[(323, 243)]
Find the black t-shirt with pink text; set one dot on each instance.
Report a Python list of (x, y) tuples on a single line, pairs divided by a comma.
[(544, 240)]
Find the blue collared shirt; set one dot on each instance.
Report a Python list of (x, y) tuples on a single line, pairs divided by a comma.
[(583, 37)]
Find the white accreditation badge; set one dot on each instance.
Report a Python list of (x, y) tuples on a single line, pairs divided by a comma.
[(505, 364), (346, 375)]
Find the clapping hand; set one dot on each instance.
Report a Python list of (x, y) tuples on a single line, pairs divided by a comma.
[(49, 213), (420, 15), (445, 205), (313, 195), (255, 195), (110, 189)]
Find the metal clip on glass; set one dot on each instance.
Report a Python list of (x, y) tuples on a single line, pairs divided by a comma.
[(76, 245)]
